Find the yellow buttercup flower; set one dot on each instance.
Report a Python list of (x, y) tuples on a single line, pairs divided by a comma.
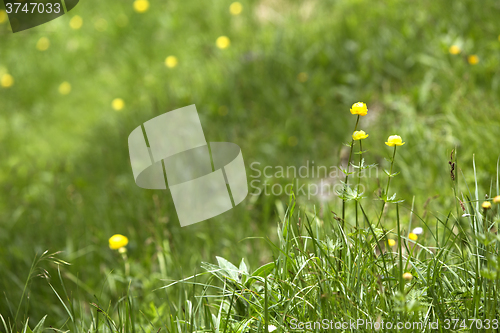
[(64, 88), (412, 236), (407, 276), (486, 205), (394, 140), (454, 49), (222, 42), (6, 81), (76, 22), (3, 16), (496, 199), (117, 104), (391, 242), (473, 59), (235, 8), (43, 44), (359, 108), (117, 241), (171, 61), (302, 77), (358, 135), (141, 6)]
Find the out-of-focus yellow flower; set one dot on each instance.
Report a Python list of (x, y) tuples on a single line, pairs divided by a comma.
[(473, 59), (486, 205), (454, 49), (43, 44), (223, 42), (171, 61), (64, 88), (141, 6), (359, 108), (391, 242), (117, 241), (7, 80), (117, 104), (412, 236), (407, 276), (302, 77), (394, 140), (76, 22), (359, 135), (235, 8), (3, 16), (496, 199), (101, 24)]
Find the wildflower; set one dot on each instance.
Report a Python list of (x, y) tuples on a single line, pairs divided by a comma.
[(454, 49), (117, 241), (302, 77), (473, 59), (43, 44), (412, 236), (391, 242), (101, 24), (117, 104), (496, 199), (271, 328), (407, 276), (222, 42), (359, 108), (3, 16), (359, 135), (171, 61), (235, 8), (486, 205), (141, 6), (64, 88), (6, 81), (418, 231), (76, 22), (394, 140)]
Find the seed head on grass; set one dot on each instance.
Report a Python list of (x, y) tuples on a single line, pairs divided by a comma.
[(359, 108), (359, 135), (117, 242)]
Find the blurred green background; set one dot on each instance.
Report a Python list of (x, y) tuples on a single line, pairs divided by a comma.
[(281, 91)]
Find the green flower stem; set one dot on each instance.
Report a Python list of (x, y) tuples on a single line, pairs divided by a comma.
[(347, 174), (346, 179), (387, 188)]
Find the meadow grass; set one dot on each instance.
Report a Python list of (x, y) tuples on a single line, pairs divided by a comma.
[(281, 91)]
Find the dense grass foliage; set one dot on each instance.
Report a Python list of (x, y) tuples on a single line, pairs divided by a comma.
[(281, 91)]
